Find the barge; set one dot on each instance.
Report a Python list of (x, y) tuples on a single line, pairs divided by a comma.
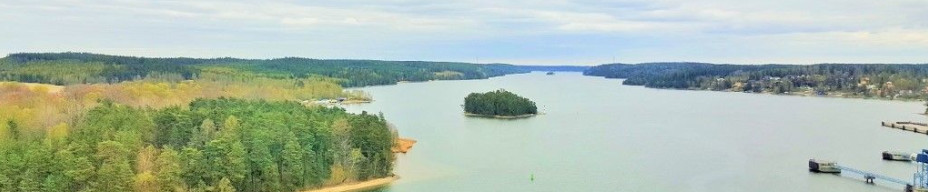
[(819, 166), (897, 156)]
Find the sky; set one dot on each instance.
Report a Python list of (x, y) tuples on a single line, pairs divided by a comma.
[(552, 32)]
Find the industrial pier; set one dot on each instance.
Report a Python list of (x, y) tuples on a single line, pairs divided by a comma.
[(907, 126), (919, 182)]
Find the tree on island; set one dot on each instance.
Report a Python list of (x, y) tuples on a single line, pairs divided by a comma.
[(499, 103)]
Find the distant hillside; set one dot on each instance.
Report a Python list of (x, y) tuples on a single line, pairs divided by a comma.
[(892, 81), (76, 68)]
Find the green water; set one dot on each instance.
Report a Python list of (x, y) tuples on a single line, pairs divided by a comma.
[(598, 135)]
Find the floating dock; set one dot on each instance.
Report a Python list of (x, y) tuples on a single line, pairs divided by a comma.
[(907, 126)]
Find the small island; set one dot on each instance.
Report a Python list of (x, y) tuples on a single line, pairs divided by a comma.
[(499, 104)]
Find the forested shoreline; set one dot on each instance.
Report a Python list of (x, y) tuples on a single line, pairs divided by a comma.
[(178, 124), (886, 81), (211, 145), (161, 135), (84, 68)]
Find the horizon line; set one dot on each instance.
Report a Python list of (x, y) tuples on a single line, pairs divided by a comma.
[(492, 63)]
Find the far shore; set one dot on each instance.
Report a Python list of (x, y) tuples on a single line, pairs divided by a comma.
[(801, 94), (831, 95), (357, 186), (500, 116)]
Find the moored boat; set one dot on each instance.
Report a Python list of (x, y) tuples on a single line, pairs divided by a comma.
[(897, 156), (819, 166)]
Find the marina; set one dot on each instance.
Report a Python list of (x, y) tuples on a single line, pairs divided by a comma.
[(919, 182)]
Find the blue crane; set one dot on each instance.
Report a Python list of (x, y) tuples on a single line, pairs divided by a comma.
[(920, 178)]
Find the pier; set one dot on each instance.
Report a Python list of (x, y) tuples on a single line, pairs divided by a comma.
[(919, 182), (871, 177), (907, 126), (819, 166)]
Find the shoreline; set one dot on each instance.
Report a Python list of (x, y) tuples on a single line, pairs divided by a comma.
[(830, 96), (348, 102), (840, 95), (500, 116), (357, 186), (402, 145)]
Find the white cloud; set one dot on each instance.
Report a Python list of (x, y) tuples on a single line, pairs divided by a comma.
[(562, 30), (882, 38)]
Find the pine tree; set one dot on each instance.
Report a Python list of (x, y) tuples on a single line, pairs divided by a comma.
[(225, 186), (77, 169), (115, 174), (193, 166), (236, 164), (168, 170), (291, 164), (36, 164), (229, 130)]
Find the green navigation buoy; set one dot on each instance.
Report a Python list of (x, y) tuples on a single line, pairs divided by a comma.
[(533, 178)]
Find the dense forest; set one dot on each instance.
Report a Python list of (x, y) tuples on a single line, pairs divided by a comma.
[(76, 68), (890, 81), (211, 145), (90, 122), (114, 123), (498, 103)]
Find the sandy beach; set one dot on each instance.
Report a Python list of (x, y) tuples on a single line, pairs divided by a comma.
[(357, 186), (403, 145)]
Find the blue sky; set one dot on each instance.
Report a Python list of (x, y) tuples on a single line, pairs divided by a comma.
[(576, 32)]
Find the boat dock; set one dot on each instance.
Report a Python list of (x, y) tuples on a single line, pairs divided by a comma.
[(907, 126), (919, 182), (869, 177)]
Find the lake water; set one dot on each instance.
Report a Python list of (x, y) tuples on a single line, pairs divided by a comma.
[(599, 135)]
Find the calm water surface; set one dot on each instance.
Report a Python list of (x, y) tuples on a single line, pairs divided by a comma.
[(598, 135)]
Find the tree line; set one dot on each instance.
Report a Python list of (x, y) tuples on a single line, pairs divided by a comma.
[(210, 145), (498, 103), (893, 81), (81, 68)]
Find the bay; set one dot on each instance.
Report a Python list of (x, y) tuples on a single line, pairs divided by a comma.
[(598, 135)]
